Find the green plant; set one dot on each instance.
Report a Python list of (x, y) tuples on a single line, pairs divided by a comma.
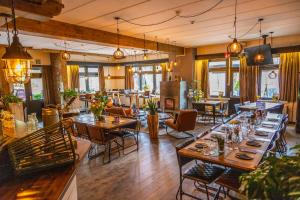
[(37, 96), (152, 106), (276, 178), (198, 95), (69, 93), (10, 98), (146, 87)]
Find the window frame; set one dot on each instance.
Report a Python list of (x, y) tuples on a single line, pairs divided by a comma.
[(139, 67), (86, 74)]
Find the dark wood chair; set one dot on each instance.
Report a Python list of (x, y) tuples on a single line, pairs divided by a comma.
[(186, 121), (81, 130), (99, 137), (201, 173), (277, 109), (229, 180), (68, 125)]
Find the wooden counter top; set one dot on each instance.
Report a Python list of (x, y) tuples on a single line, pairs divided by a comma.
[(50, 185)]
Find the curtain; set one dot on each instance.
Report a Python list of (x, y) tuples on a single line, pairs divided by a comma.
[(289, 69), (164, 72), (248, 81), (47, 85), (73, 76), (101, 78), (201, 76), (129, 82)]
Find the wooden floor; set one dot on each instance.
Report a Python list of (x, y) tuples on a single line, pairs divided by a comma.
[(150, 174)]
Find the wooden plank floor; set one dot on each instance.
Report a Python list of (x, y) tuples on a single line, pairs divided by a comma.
[(150, 174)]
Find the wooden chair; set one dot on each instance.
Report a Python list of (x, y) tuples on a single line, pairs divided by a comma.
[(68, 125), (229, 180), (81, 130), (201, 173), (99, 137), (186, 121)]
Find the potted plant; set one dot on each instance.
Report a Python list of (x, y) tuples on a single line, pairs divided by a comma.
[(152, 118), (68, 94), (98, 105), (276, 178), (15, 105)]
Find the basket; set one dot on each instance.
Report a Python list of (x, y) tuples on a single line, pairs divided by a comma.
[(41, 150)]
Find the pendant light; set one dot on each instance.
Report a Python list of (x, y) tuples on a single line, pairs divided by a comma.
[(175, 61), (17, 59), (145, 56), (65, 55), (118, 54), (235, 47), (259, 58)]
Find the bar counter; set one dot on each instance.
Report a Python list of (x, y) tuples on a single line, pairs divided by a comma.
[(53, 184)]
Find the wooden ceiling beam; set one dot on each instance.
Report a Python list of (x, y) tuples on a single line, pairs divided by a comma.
[(35, 9), (61, 30)]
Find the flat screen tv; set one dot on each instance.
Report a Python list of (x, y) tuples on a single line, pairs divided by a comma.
[(264, 49)]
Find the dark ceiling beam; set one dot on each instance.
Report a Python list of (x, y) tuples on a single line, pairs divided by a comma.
[(61, 30), (31, 8), (120, 63)]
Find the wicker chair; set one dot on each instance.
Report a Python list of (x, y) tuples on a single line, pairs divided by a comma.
[(68, 125), (99, 137), (201, 173)]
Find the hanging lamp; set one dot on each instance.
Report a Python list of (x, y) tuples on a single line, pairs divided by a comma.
[(175, 61), (145, 56), (259, 58), (118, 54), (17, 59), (65, 55), (235, 47)]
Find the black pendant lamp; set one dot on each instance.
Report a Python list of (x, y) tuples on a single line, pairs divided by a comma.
[(235, 47)]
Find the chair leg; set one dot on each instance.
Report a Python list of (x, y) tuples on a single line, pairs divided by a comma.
[(207, 194)]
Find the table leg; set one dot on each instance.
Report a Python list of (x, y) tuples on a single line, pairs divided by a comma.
[(214, 114)]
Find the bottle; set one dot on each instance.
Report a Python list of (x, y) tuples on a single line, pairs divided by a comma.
[(36, 121)]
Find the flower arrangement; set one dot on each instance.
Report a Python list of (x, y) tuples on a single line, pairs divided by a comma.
[(198, 95), (151, 106), (7, 119), (98, 105)]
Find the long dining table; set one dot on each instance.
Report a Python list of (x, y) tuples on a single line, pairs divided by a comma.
[(229, 158), (107, 124)]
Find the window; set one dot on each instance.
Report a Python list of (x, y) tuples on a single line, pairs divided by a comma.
[(217, 78), (269, 83), (236, 84), (19, 91), (148, 76), (217, 83), (88, 79), (37, 88)]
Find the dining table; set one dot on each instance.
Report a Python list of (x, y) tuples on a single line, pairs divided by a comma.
[(211, 103), (109, 122), (260, 105), (232, 151)]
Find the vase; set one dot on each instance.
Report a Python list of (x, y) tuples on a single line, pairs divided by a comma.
[(152, 121)]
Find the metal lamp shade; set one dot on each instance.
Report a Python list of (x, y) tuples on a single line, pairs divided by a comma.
[(235, 47), (118, 54), (18, 68)]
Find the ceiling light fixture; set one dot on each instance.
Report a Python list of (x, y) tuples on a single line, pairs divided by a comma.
[(145, 56), (118, 54), (235, 47), (65, 55), (17, 59), (175, 61), (259, 57)]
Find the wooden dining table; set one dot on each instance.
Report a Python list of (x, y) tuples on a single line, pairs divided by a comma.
[(107, 124), (211, 103), (260, 105), (228, 158)]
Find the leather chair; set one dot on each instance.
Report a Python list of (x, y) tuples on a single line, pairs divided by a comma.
[(119, 111), (186, 121)]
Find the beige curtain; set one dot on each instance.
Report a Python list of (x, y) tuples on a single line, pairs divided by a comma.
[(101, 78), (129, 82), (201, 76), (289, 69), (248, 81), (164, 72), (73, 76)]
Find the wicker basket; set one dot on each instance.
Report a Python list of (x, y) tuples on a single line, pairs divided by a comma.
[(46, 148)]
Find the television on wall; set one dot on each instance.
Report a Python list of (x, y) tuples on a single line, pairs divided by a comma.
[(263, 49)]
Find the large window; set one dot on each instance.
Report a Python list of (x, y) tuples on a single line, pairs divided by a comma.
[(147, 77), (88, 79), (217, 78)]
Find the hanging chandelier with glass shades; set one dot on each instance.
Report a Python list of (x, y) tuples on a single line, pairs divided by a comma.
[(235, 47), (17, 59), (118, 54)]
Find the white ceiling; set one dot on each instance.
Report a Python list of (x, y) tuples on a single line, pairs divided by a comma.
[(281, 16)]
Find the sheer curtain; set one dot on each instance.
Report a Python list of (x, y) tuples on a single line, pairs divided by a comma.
[(248, 81), (289, 69), (129, 82), (201, 76)]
